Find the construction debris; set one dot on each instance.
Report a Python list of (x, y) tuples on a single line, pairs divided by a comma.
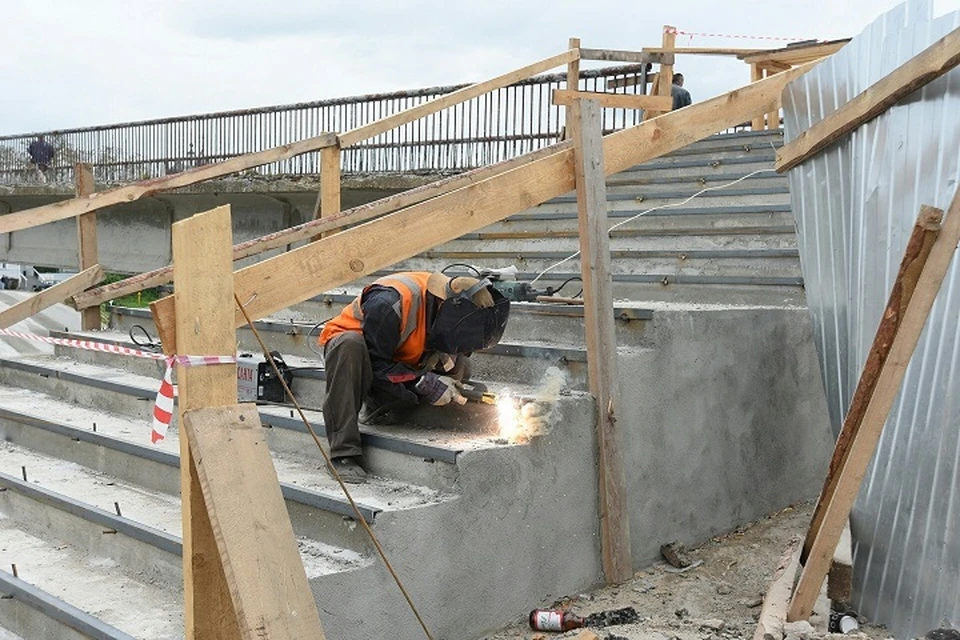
[(676, 554)]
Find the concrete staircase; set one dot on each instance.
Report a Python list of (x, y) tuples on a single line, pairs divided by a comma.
[(479, 529)]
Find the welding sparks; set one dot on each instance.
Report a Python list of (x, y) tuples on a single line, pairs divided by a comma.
[(508, 417)]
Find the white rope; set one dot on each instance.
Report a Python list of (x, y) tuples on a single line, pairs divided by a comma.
[(643, 213)]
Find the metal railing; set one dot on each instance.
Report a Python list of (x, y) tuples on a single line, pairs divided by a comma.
[(497, 126)]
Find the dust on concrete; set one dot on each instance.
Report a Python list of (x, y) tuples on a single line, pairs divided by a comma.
[(718, 599)]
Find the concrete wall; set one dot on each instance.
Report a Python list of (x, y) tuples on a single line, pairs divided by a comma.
[(725, 420), (135, 237)]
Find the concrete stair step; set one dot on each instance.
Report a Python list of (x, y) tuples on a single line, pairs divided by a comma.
[(116, 604), (421, 457), (680, 239), (764, 177), (723, 262), (700, 167), (743, 140), (315, 502), (639, 217), (633, 198)]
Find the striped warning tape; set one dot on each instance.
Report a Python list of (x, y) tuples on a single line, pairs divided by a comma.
[(163, 407), (677, 32)]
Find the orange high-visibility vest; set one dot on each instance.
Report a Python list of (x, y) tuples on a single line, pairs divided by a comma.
[(412, 287)]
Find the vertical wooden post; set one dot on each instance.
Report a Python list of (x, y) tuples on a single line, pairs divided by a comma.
[(328, 200), (601, 338), (664, 81), (773, 117), (86, 240), (756, 74), (203, 295), (573, 83)]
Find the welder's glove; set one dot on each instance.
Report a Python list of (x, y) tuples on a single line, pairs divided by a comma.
[(481, 298), (438, 390)]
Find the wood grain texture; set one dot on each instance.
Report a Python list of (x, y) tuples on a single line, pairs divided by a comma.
[(566, 97), (204, 301), (773, 615), (250, 523), (86, 239), (601, 341)]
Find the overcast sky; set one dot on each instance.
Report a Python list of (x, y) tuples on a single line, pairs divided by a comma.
[(69, 63)]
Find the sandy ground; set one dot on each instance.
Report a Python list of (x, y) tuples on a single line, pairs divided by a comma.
[(719, 599)]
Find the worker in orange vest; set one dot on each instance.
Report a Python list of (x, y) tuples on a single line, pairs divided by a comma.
[(405, 340)]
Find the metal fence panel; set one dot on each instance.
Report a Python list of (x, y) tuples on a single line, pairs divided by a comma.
[(855, 205), (497, 126)]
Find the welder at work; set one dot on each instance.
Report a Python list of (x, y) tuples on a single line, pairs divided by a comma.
[(405, 340)]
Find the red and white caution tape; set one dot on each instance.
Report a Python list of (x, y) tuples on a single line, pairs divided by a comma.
[(163, 407), (677, 32)]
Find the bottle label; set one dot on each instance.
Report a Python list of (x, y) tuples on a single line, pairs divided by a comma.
[(549, 621)]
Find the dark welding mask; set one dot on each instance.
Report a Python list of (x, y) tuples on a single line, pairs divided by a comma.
[(461, 326)]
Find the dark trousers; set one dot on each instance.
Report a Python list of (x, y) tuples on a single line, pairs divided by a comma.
[(349, 378), (349, 382)]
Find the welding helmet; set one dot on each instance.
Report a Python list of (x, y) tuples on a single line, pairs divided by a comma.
[(472, 315)]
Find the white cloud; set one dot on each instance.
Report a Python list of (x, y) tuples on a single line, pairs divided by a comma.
[(72, 64)]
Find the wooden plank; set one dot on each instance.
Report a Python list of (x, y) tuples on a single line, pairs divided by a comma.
[(756, 74), (887, 388), (601, 340), (87, 239), (797, 54), (461, 95), (639, 57), (204, 303), (774, 612), (566, 97), (703, 51), (328, 200), (573, 71), (51, 296), (309, 229), (307, 271), (934, 61), (915, 255), (840, 578), (773, 116), (261, 561), (71, 208), (665, 76)]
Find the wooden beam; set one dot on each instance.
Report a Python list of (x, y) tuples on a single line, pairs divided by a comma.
[(773, 116), (703, 51), (773, 615), (87, 239), (71, 208), (664, 84), (307, 230), (573, 71), (51, 296), (796, 54), (566, 97), (840, 578), (307, 271), (261, 561), (204, 302), (640, 57), (934, 61), (601, 339), (924, 234), (756, 74), (461, 95), (875, 415), (328, 200)]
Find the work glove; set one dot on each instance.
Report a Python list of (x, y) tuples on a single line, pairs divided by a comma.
[(481, 298), (438, 390)]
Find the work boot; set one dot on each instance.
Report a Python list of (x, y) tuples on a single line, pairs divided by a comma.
[(375, 413), (349, 470)]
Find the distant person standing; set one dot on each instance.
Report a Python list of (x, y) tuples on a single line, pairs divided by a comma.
[(41, 155), (681, 97)]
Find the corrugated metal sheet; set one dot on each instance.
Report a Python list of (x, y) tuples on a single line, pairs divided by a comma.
[(855, 205)]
